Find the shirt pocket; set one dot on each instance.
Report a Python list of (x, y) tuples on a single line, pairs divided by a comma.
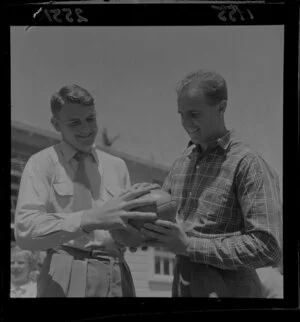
[(64, 195), (109, 191)]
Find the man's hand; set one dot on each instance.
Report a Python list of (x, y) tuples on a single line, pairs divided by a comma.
[(130, 237), (115, 213), (145, 187), (272, 282), (167, 235)]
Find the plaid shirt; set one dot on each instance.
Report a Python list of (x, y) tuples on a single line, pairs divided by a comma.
[(228, 204)]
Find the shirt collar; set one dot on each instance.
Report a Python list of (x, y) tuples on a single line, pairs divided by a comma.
[(69, 152), (223, 142)]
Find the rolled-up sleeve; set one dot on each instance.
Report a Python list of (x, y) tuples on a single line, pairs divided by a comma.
[(36, 227), (126, 177), (258, 245)]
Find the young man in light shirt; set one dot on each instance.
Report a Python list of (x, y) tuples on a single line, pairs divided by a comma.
[(73, 198)]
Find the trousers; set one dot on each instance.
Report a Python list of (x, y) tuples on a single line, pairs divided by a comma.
[(70, 272), (200, 280)]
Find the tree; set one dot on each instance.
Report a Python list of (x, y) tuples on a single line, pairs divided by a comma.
[(107, 141)]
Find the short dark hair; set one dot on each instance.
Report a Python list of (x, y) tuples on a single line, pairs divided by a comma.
[(205, 81), (70, 94)]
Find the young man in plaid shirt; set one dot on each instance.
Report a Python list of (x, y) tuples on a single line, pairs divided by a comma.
[(229, 219)]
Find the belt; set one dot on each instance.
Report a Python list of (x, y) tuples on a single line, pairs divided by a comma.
[(94, 253)]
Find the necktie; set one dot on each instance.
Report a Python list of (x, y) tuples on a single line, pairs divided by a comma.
[(82, 195), (82, 192)]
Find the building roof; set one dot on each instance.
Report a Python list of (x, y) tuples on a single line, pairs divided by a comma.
[(41, 138)]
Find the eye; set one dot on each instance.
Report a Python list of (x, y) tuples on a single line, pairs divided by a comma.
[(74, 123)]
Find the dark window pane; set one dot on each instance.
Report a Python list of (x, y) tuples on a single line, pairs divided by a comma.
[(15, 179), (157, 265), (166, 266)]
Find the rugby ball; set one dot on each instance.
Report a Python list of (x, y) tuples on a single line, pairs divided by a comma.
[(165, 207)]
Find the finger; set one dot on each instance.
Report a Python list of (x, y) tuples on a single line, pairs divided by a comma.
[(148, 201), (134, 232), (136, 186), (133, 194), (122, 193), (148, 185), (141, 215), (158, 229), (139, 189), (155, 186), (152, 234), (166, 224)]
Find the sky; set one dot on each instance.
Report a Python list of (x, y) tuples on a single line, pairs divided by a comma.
[(132, 73)]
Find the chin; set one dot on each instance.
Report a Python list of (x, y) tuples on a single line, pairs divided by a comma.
[(196, 140), (84, 148), (21, 279)]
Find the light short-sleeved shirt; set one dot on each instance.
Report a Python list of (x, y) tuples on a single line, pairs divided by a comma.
[(44, 216), (27, 290)]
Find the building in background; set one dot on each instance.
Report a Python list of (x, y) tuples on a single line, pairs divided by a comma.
[(152, 270)]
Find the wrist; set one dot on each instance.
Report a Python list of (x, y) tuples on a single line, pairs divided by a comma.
[(184, 249), (86, 224)]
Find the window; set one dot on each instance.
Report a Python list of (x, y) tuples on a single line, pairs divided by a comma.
[(17, 166), (164, 263), (13, 204)]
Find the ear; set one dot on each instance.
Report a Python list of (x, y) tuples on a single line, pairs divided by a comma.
[(222, 106), (55, 123)]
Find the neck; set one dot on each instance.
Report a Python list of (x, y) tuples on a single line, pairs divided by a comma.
[(212, 139), (87, 150)]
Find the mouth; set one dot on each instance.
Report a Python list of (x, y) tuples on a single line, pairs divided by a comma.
[(84, 136), (16, 273), (193, 132)]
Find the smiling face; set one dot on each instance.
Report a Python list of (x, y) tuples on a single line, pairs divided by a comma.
[(203, 122), (77, 124), (20, 268)]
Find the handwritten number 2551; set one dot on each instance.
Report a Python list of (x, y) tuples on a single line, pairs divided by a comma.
[(233, 9), (53, 14)]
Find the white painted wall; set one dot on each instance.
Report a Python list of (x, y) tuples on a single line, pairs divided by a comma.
[(141, 264)]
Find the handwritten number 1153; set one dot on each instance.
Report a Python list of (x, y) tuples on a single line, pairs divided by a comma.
[(65, 14)]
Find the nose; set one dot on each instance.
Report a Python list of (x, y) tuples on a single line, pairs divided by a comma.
[(187, 123), (14, 265), (85, 128)]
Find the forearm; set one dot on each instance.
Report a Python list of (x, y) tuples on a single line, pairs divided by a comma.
[(254, 250), (36, 229)]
